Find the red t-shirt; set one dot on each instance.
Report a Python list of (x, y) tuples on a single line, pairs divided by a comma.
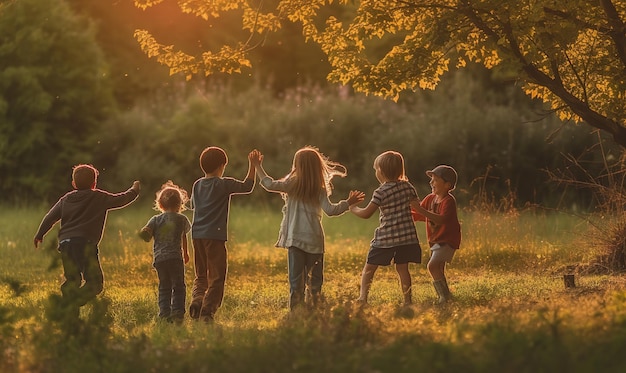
[(449, 231)]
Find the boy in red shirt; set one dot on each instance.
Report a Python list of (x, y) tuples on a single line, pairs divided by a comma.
[(438, 210)]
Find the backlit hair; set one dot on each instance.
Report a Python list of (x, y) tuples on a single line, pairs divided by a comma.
[(311, 173), (84, 176), (212, 158), (171, 197), (391, 165)]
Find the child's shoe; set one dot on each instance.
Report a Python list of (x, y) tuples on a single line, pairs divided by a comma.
[(176, 318)]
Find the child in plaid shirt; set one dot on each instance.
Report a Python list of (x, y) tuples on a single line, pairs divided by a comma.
[(395, 238)]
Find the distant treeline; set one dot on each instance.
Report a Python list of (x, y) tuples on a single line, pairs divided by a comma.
[(498, 140), (84, 93)]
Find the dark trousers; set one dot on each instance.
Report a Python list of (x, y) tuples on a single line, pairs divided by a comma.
[(306, 271), (84, 279), (211, 266), (171, 287)]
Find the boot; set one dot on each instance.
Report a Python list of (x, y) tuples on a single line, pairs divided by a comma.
[(441, 287), (408, 297), (408, 300)]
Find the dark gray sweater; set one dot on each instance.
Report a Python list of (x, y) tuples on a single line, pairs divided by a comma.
[(83, 213)]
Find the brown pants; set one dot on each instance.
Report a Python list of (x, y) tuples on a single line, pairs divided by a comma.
[(211, 265)]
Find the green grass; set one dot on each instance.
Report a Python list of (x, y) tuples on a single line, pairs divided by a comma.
[(511, 310)]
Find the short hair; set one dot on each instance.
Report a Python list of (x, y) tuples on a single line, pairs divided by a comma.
[(84, 176), (212, 158), (391, 165)]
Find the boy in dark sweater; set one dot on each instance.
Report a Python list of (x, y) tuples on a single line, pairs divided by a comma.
[(82, 213)]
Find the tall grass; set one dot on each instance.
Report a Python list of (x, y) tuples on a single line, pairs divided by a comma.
[(511, 311)]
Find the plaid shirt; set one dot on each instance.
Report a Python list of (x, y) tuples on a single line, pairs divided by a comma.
[(396, 226)]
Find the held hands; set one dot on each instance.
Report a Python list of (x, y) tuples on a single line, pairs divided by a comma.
[(355, 196), (255, 158), (417, 211), (416, 205)]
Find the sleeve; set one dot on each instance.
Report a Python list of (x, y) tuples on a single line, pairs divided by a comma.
[(417, 216), (119, 200), (147, 235), (235, 186), (49, 220), (272, 185), (151, 223), (448, 209), (424, 203), (413, 191), (377, 197), (333, 209)]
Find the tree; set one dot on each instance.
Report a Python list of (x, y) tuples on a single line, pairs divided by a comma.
[(284, 61), (53, 95), (570, 54)]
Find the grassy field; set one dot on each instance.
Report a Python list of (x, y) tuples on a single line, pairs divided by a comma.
[(511, 313)]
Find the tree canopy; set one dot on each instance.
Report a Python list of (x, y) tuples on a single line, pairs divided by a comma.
[(571, 55), (53, 95)]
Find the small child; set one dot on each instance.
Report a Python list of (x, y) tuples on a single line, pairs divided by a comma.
[(210, 200), (443, 229), (306, 190), (395, 239), (169, 230), (82, 213)]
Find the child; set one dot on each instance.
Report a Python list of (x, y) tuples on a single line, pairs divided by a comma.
[(169, 230), (395, 238), (438, 209), (210, 200), (82, 213), (306, 190)]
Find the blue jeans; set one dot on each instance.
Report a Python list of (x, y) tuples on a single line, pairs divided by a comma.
[(305, 271), (172, 288)]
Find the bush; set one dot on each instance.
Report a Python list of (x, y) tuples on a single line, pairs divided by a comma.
[(488, 136)]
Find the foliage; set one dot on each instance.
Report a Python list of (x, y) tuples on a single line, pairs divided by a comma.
[(572, 55), (53, 95), (470, 124), (511, 312), (130, 76), (609, 229)]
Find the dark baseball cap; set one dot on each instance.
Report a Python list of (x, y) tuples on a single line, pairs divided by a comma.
[(447, 173)]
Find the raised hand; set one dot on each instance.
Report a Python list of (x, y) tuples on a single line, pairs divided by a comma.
[(355, 196), (255, 157)]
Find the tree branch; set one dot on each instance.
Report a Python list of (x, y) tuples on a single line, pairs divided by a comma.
[(575, 20), (578, 107), (577, 75), (618, 29)]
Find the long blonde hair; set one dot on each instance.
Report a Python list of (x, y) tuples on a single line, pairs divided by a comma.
[(312, 172)]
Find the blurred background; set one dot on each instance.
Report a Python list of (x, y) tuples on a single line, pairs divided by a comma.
[(76, 88)]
